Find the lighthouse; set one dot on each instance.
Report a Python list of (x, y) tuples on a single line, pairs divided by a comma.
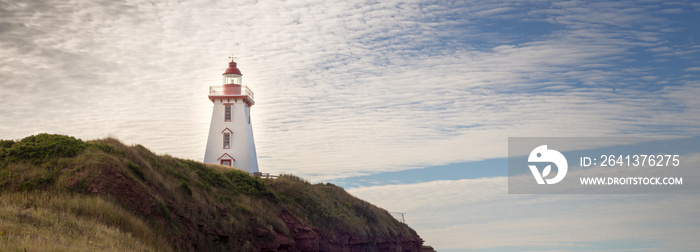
[(230, 141)]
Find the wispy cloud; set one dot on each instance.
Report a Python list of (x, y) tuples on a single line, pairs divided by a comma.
[(341, 89), (478, 214), (348, 88)]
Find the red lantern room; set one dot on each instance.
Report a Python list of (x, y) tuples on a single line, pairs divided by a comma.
[(232, 75)]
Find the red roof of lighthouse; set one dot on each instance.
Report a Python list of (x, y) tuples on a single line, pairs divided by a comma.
[(232, 69)]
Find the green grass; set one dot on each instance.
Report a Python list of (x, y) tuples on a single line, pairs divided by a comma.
[(332, 209), (65, 194)]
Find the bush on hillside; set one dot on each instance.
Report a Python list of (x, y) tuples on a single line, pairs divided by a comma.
[(40, 148)]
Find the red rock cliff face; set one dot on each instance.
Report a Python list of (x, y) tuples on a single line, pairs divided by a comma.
[(308, 239)]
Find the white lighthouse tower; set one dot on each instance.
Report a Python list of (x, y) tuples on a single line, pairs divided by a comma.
[(230, 141)]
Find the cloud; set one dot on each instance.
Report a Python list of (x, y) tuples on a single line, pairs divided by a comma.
[(345, 89), (478, 214)]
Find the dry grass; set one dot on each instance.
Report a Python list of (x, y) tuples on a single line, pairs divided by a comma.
[(36, 221)]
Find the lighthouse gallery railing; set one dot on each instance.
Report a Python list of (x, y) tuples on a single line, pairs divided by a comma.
[(219, 90)]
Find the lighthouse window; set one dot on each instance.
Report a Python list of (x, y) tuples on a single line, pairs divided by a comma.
[(227, 140), (227, 113), (232, 79)]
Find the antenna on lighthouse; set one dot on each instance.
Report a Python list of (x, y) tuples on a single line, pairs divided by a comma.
[(232, 58)]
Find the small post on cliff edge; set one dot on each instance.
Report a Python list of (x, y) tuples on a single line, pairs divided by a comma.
[(402, 218)]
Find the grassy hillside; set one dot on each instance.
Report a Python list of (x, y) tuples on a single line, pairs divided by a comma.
[(59, 193)]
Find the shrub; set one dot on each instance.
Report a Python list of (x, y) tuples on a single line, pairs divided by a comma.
[(136, 169), (42, 147), (186, 187), (6, 143), (106, 148), (250, 185), (165, 211), (27, 186), (155, 163), (207, 174)]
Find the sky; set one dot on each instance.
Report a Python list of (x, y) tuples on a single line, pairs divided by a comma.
[(418, 96)]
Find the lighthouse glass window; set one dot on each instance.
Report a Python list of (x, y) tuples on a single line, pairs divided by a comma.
[(227, 113), (231, 79), (227, 140)]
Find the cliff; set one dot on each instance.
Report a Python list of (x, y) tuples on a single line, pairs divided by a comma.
[(62, 193)]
